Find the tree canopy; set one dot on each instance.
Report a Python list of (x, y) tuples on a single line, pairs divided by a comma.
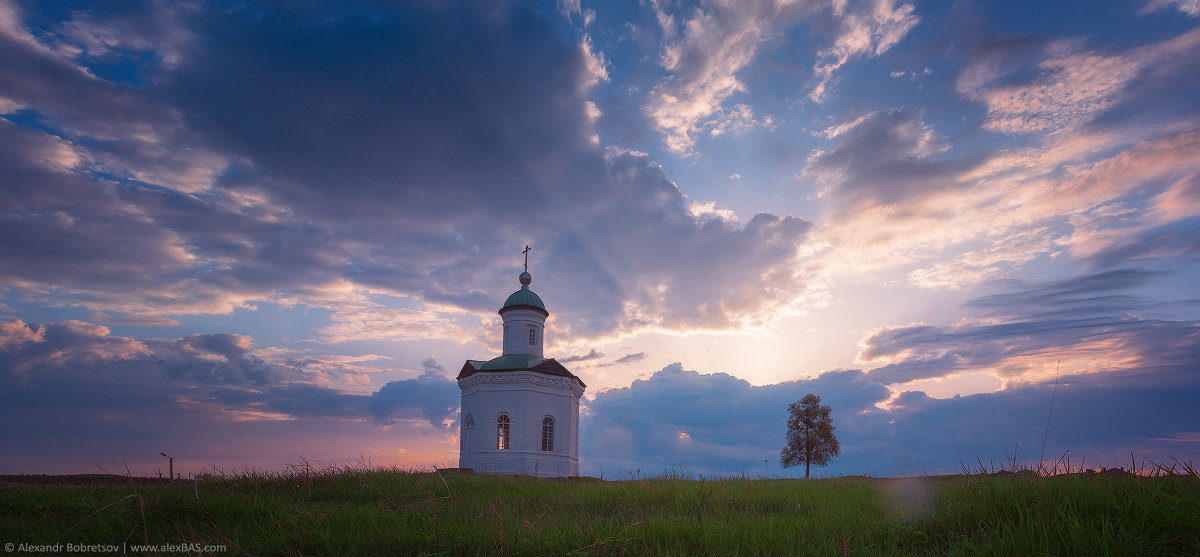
[(810, 438)]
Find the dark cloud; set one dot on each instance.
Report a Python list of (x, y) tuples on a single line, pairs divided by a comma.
[(432, 397), (1097, 289), (1175, 240), (433, 394), (718, 424), (704, 422), (885, 158), (631, 358), (85, 393), (1065, 317), (1137, 414), (628, 358), (29, 347), (1164, 92), (39, 79), (270, 151), (415, 109), (111, 37), (591, 355), (994, 60), (1128, 384), (216, 359), (60, 228)]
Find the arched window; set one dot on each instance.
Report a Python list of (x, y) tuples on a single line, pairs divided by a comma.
[(469, 422), (502, 432), (548, 434)]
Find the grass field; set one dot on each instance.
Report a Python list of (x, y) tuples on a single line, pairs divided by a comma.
[(350, 511)]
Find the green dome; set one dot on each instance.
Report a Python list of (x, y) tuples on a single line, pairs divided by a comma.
[(524, 297)]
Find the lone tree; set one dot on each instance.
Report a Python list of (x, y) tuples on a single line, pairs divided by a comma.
[(809, 435)]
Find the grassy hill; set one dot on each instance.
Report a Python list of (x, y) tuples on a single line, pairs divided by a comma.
[(370, 512)]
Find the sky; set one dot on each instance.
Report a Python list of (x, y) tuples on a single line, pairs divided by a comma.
[(250, 235)]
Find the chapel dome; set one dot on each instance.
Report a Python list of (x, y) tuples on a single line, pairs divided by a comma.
[(523, 297)]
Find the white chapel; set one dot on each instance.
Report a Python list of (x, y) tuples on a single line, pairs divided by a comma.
[(520, 411)]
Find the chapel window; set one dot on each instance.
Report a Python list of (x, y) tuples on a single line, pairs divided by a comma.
[(469, 422), (548, 434), (532, 336), (502, 432)]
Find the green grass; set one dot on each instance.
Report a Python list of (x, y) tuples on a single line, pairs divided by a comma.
[(369, 512)]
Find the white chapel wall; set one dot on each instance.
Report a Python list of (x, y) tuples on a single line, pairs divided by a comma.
[(526, 398)]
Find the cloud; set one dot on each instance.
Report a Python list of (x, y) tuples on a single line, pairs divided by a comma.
[(736, 121), (1087, 324), (67, 343), (904, 195), (107, 396), (220, 358), (709, 210), (883, 158), (1190, 7), (104, 35), (1072, 87), (431, 397), (591, 355), (131, 250), (51, 81), (703, 52), (138, 320), (368, 318), (396, 130), (1177, 240), (626, 359), (631, 358), (72, 374), (727, 421), (1181, 200), (15, 333), (56, 241), (433, 392), (1093, 293), (240, 170), (717, 424), (1056, 87), (656, 268), (1004, 253), (869, 29), (909, 74), (597, 66)]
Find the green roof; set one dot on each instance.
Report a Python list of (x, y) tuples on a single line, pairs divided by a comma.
[(524, 297), (517, 362), (512, 361)]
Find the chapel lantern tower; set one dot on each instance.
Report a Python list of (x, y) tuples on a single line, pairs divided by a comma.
[(524, 317)]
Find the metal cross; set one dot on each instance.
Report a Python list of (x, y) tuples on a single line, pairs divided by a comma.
[(526, 252)]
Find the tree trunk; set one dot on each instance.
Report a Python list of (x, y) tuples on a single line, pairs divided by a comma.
[(806, 469)]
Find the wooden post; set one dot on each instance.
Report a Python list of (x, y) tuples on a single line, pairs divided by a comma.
[(171, 463)]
